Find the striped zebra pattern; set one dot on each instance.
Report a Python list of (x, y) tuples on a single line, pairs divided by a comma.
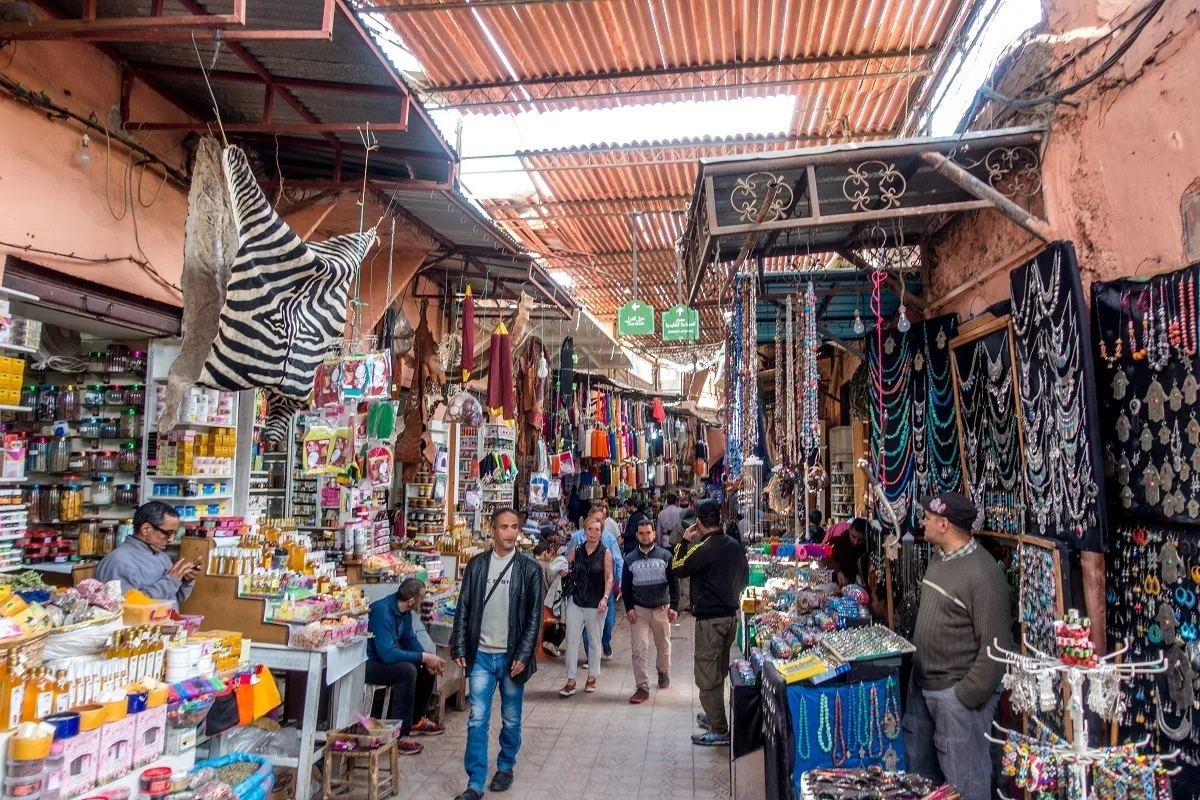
[(285, 304)]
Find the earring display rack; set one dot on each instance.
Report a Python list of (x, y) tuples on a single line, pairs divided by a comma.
[(1085, 771)]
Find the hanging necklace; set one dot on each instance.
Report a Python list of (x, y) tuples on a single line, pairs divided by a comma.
[(803, 747), (824, 732), (1135, 352), (1186, 289), (1160, 354), (840, 753), (891, 710), (1112, 360)]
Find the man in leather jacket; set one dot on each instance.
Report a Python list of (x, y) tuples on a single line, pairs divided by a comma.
[(496, 627)]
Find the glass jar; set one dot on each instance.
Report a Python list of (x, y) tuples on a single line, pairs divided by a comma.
[(29, 396), (97, 361), (118, 358), (93, 396), (110, 429), (33, 502), (35, 459), (126, 495), (135, 395), (58, 455), (79, 462), (108, 537), (130, 458), (70, 503), (137, 362), (88, 538), (114, 395), (102, 491), (107, 461), (49, 503), (89, 428), (47, 403), (131, 423), (124, 530), (68, 403)]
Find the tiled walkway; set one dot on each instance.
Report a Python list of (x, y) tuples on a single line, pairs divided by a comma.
[(591, 745)]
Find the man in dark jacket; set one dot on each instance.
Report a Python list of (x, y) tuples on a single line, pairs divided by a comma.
[(718, 570), (636, 511), (651, 594), (495, 630), (397, 657)]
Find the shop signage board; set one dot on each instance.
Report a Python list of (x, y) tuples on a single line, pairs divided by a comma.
[(680, 324), (636, 318)]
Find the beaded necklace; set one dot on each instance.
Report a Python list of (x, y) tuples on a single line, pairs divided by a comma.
[(1187, 315), (875, 732), (810, 422), (824, 732), (803, 746), (792, 447), (840, 753), (891, 709)]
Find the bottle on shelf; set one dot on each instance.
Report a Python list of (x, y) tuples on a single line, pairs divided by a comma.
[(62, 692), (39, 695), (12, 692)]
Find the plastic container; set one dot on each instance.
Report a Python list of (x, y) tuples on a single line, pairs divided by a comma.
[(91, 716), (26, 788), (116, 710), (58, 455), (156, 780), (135, 702), (21, 748), (66, 724)]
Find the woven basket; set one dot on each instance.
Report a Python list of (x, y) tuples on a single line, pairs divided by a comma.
[(29, 647)]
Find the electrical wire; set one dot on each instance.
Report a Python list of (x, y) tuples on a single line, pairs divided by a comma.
[(987, 93)]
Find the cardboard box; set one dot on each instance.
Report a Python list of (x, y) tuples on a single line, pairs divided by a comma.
[(81, 760), (150, 735), (180, 740), (116, 749), (285, 784)]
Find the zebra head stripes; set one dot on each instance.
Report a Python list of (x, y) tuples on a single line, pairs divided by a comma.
[(285, 302)]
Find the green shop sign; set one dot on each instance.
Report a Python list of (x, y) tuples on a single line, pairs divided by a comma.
[(635, 318), (680, 324)]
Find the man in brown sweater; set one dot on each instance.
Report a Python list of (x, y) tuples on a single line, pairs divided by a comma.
[(965, 608)]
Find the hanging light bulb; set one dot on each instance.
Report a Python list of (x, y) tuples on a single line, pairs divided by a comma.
[(860, 327), (83, 156), (903, 324)]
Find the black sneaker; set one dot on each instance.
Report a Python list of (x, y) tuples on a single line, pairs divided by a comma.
[(608, 651), (470, 794), (502, 780)]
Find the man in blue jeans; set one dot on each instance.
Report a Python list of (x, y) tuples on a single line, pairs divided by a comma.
[(613, 545), (496, 627)]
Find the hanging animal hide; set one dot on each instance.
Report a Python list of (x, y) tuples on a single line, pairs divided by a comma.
[(210, 243), (285, 302)]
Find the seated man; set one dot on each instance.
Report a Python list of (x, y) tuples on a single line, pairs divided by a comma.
[(141, 561), (397, 657)]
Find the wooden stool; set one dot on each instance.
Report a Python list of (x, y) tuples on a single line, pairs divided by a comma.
[(453, 693), (349, 761), (370, 690)]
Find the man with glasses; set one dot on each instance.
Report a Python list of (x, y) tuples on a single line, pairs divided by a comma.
[(141, 561)]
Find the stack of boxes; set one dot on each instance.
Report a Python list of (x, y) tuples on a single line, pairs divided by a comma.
[(18, 331), (200, 406), (192, 452), (12, 371)]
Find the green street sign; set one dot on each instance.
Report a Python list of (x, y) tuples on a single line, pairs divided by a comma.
[(636, 318), (680, 324)]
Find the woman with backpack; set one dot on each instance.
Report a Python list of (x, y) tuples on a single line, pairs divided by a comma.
[(586, 590)]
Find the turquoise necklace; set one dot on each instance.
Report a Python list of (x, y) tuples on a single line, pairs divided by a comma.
[(864, 732), (824, 731), (803, 746)]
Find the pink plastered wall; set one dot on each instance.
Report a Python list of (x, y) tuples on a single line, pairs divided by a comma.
[(48, 202), (1114, 168)]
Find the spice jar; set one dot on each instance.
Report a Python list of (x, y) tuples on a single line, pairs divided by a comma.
[(130, 458), (118, 358), (102, 491), (110, 429), (78, 462), (33, 502), (70, 503), (49, 503), (97, 361), (47, 403), (126, 495), (136, 362), (135, 395), (107, 461), (89, 428), (68, 403), (93, 396), (114, 395), (88, 531), (58, 455), (131, 423)]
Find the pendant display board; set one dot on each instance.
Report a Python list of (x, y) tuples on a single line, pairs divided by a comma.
[(1152, 583), (919, 452), (1149, 387), (1061, 431), (985, 395)]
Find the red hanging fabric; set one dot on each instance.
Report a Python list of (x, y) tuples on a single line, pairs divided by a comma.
[(468, 334), (659, 413), (500, 374)]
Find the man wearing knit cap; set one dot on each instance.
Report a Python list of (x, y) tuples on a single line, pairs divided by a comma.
[(965, 608)]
